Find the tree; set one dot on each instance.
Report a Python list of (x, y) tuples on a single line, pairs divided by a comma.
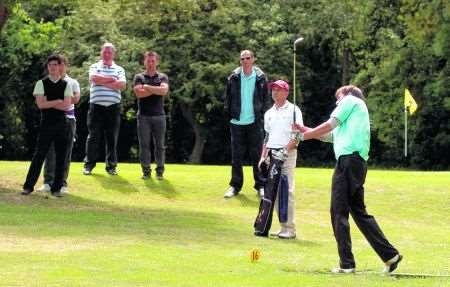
[(24, 46)]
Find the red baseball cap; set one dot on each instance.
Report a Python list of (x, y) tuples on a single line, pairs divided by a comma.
[(279, 84)]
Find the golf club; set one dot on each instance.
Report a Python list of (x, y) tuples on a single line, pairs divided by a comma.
[(300, 39)]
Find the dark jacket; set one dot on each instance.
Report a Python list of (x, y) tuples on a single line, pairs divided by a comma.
[(261, 98)]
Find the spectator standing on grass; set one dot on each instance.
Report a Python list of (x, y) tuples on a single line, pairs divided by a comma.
[(150, 88), (53, 97), (49, 167), (246, 101), (107, 81)]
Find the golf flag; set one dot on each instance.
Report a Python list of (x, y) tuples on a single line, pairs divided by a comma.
[(410, 103)]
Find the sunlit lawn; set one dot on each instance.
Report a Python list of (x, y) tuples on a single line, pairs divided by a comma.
[(123, 231)]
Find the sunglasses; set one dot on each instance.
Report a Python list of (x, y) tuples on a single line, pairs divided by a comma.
[(246, 58)]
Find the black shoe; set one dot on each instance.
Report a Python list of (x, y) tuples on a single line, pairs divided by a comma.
[(26, 191), (111, 171), (146, 173), (159, 176), (57, 193), (390, 267)]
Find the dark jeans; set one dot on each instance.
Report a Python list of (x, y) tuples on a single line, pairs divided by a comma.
[(148, 128), (48, 135), (102, 122), (50, 159), (245, 138), (347, 196)]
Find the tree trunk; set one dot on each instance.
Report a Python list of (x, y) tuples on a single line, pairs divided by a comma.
[(345, 66), (3, 16), (200, 135)]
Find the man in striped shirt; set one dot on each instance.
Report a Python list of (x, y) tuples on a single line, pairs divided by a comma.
[(107, 81)]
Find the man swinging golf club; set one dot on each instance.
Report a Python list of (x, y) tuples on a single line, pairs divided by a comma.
[(349, 130)]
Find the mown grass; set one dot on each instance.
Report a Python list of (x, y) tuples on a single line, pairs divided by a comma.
[(123, 231)]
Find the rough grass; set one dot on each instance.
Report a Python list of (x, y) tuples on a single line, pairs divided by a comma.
[(123, 231)]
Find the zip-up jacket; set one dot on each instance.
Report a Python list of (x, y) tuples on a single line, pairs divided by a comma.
[(261, 98)]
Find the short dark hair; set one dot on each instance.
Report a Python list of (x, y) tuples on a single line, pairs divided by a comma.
[(152, 53), (351, 89), (54, 57)]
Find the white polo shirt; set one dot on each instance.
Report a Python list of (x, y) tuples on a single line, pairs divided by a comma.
[(70, 112), (278, 124)]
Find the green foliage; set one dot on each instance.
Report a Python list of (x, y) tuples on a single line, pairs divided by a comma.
[(411, 51), (123, 231), (382, 46), (24, 46)]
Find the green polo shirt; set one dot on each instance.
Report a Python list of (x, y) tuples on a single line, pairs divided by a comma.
[(353, 132)]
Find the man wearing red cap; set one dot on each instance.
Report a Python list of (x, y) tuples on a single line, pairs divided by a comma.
[(278, 125), (246, 101)]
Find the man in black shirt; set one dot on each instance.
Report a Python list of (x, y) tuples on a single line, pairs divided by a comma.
[(150, 88)]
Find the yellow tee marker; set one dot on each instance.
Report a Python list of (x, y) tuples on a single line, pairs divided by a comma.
[(255, 255)]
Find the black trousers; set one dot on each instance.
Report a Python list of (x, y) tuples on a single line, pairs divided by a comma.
[(49, 134), (102, 122), (347, 196), (50, 159), (245, 138)]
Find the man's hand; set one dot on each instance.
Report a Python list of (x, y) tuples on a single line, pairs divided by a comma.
[(303, 129), (102, 79), (261, 160)]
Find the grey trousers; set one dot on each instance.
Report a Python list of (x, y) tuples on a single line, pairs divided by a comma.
[(148, 128), (50, 159)]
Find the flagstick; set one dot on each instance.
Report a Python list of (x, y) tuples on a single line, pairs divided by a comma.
[(406, 132)]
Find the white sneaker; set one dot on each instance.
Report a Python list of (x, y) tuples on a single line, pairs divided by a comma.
[(260, 192), (286, 234), (275, 233), (44, 188), (339, 270), (230, 192), (64, 189)]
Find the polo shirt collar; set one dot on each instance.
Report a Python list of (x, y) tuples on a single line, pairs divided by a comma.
[(104, 65), (54, 80), (283, 107)]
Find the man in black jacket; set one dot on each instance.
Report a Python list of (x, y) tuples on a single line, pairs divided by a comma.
[(246, 101)]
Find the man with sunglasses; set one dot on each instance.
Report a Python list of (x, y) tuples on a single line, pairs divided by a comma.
[(246, 101)]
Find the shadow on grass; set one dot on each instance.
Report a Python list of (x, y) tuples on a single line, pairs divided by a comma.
[(161, 187), (246, 201), (417, 275), (41, 215), (114, 182), (299, 242)]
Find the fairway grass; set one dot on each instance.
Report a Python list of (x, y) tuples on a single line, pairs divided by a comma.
[(124, 231)]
